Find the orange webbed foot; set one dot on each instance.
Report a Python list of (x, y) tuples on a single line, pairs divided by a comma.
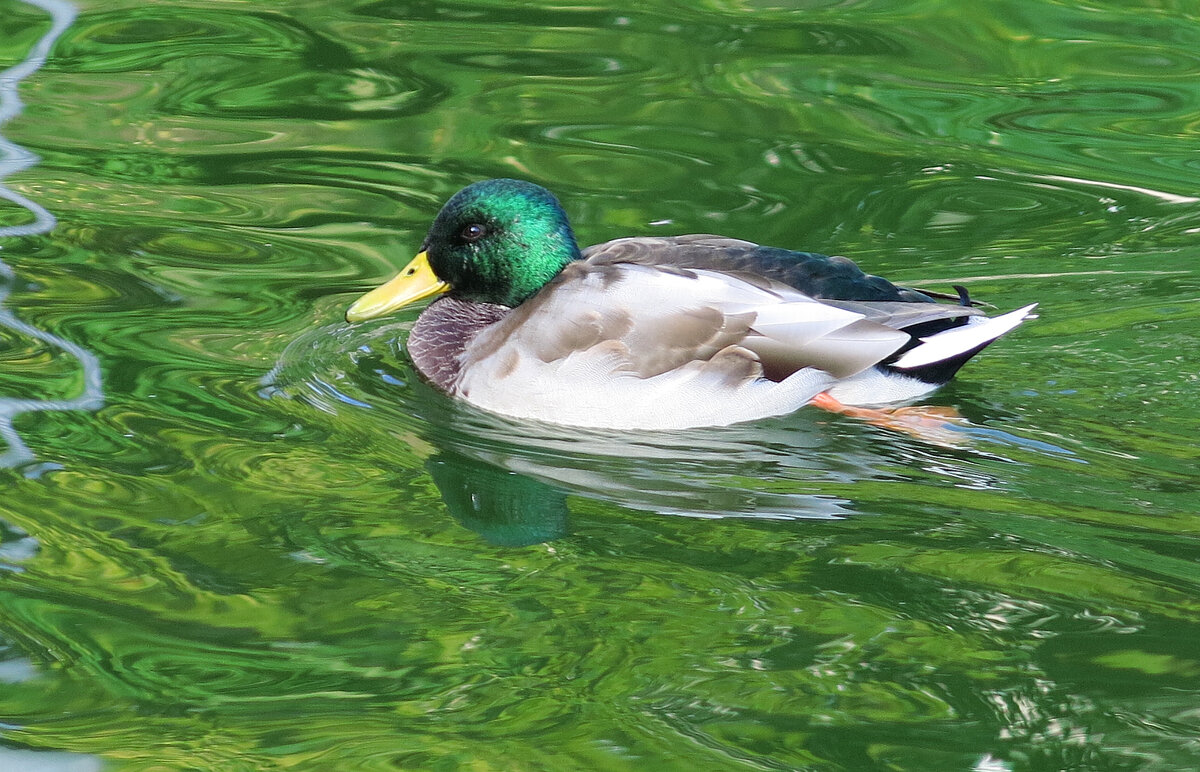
[(935, 424)]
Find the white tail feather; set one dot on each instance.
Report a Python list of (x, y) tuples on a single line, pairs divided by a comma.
[(951, 343)]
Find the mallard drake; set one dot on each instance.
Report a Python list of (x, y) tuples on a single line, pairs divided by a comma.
[(660, 332)]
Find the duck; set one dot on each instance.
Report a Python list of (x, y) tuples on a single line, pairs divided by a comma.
[(661, 332)]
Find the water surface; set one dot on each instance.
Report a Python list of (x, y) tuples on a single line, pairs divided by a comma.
[(272, 547)]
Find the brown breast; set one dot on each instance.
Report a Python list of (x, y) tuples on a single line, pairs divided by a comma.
[(442, 332)]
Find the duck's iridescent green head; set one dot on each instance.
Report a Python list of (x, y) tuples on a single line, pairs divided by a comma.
[(500, 241), (497, 241)]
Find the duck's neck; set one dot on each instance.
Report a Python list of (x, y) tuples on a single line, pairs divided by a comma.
[(442, 332)]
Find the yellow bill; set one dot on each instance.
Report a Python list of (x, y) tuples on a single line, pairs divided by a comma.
[(416, 281)]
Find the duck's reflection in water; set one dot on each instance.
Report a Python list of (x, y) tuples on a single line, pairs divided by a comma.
[(511, 481)]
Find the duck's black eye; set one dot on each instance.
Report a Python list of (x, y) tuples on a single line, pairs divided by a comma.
[(473, 232)]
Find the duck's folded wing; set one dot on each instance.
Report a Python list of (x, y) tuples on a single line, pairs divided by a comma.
[(643, 347), (841, 352), (816, 275), (665, 318)]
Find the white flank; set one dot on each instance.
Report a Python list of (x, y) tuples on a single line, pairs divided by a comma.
[(584, 390), (879, 387)]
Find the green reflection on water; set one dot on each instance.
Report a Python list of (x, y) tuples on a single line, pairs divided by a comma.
[(274, 548)]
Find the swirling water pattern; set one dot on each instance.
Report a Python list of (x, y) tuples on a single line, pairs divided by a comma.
[(274, 548), (13, 159)]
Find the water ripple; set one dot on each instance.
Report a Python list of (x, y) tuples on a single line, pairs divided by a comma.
[(354, 378), (16, 159), (507, 480), (16, 546), (271, 574)]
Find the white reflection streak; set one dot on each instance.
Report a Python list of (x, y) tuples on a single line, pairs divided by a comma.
[(1170, 198), (14, 158)]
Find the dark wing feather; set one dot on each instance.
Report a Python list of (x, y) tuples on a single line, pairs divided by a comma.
[(818, 276)]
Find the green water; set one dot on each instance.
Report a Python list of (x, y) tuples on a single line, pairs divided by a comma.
[(273, 548)]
